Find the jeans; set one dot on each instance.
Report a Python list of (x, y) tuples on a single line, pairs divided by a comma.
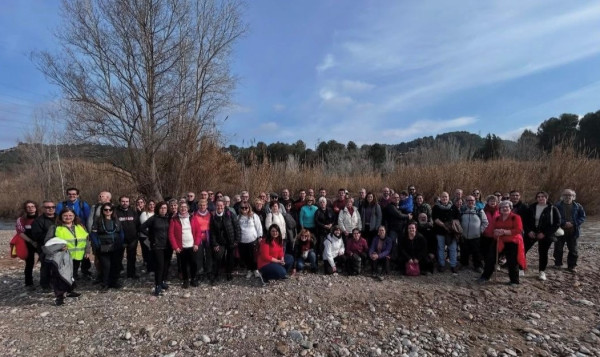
[(559, 246), (311, 259), (187, 257), (441, 251), (274, 271)]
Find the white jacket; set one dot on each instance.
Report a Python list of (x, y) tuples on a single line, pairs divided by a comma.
[(348, 222), (250, 227), (277, 219), (333, 246)]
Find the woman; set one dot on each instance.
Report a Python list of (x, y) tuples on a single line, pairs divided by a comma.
[(307, 215), (543, 219), (356, 250), (184, 236), (478, 202), (333, 251), (507, 228), (324, 220), (108, 238), (445, 218), (251, 232), (157, 229), (273, 264), (69, 229), (349, 218), (204, 254), (23, 226), (275, 217), (370, 213), (487, 237), (413, 250), (145, 214), (380, 254), (304, 252)]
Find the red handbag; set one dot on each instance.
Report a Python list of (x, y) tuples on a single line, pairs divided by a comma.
[(18, 247), (412, 269)]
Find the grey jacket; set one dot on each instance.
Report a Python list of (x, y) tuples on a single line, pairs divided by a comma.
[(53, 249), (473, 222)]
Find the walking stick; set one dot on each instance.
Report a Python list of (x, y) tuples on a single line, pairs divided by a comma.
[(496, 265)]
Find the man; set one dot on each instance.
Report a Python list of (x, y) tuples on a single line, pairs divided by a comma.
[(412, 190), (244, 198), (129, 224), (81, 208), (385, 198), (339, 203), (285, 197), (39, 229), (324, 220), (362, 196), (396, 222), (205, 196), (310, 192), (519, 207), (95, 212), (225, 234), (323, 193), (572, 217), (300, 201), (227, 201), (473, 221), (191, 202)]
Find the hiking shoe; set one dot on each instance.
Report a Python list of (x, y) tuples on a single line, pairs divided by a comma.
[(257, 274), (164, 286), (542, 276), (249, 274), (59, 301), (572, 270), (157, 290), (454, 270), (73, 294)]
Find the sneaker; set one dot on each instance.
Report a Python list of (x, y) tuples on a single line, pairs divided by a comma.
[(194, 283), (164, 286), (59, 301), (521, 272), (572, 270), (257, 274), (157, 290), (249, 274), (73, 294), (454, 270), (186, 284), (543, 276)]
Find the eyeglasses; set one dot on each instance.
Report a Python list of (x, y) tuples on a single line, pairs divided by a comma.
[(476, 193), (470, 200), (107, 210), (50, 207), (243, 208)]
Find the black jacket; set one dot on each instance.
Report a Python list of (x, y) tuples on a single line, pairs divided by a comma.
[(547, 225), (413, 249), (129, 223), (224, 230), (395, 220), (322, 218), (40, 227), (157, 230)]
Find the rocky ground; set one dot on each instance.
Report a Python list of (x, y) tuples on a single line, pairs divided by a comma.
[(314, 315)]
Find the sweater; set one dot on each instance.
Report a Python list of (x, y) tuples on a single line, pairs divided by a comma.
[(357, 246), (269, 251), (307, 216), (251, 228), (176, 232)]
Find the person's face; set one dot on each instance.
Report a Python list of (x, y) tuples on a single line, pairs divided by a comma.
[(227, 202), (107, 211), (381, 232), (396, 198), (68, 217), (386, 192), (163, 210), (151, 206), (492, 202), (323, 204), (285, 194), (311, 192), (220, 207), (245, 197), (275, 209), (211, 195), (49, 209), (356, 236), (173, 207), (412, 190), (310, 201), (362, 193), (341, 194), (259, 206), (337, 231), (183, 208), (204, 195), (72, 195), (458, 203), (349, 203), (504, 209), (302, 195), (370, 198), (202, 206), (218, 196), (104, 197), (419, 200), (470, 201), (422, 218), (30, 209), (541, 199), (263, 196), (244, 208), (458, 194), (412, 231), (304, 237), (568, 197), (477, 194), (515, 197), (191, 196), (444, 198), (140, 204), (124, 203), (274, 232), (322, 193), (498, 196)]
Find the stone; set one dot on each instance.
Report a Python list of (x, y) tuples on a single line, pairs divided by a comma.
[(584, 302), (510, 352), (80, 322), (127, 336), (173, 343), (187, 295), (44, 314), (282, 349), (534, 315), (306, 344), (205, 339), (296, 336)]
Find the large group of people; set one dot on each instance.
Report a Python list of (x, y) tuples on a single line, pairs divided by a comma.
[(274, 237)]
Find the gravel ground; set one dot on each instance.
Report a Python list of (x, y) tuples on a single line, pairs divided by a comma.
[(314, 315)]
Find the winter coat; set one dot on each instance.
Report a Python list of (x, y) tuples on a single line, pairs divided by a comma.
[(374, 221), (577, 216), (224, 230), (333, 246), (473, 222), (348, 222), (157, 229)]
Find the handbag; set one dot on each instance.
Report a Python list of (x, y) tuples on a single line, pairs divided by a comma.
[(412, 269), (559, 232), (18, 247)]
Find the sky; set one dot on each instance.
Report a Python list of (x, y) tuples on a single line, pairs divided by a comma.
[(366, 71)]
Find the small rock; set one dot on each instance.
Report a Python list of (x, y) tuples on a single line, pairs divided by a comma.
[(584, 302), (296, 336), (282, 349), (187, 295), (173, 343), (80, 322), (44, 314), (310, 301), (534, 315), (127, 336), (306, 344), (583, 349), (510, 352), (492, 352), (344, 352), (197, 343), (205, 339)]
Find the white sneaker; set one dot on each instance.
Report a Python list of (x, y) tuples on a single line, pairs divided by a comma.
[(249, 274), (256, 274), (543, 276), (521, 272)]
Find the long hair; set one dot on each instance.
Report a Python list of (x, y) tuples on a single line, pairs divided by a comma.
[(269, 238), (159, 205), (24, 208), (113, 215), (59, 220)]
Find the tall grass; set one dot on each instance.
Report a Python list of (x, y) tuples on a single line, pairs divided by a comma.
[(563, 168)]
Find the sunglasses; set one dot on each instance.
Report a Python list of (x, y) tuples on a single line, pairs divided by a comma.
[(243, 208), (107, 210), (49, 207)]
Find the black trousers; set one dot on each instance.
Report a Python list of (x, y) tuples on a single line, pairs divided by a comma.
[(29, 263), (111, 264), (58, 284), (543, 248), (340, 262), (147, 254), (471, 248), (247, 255), (131, 250), (355, 263), (510, 251), (160, 268), (223, 257), (189, 268), (559, 246), (86, 265), (44, 272), (204, 260), (379, 266)]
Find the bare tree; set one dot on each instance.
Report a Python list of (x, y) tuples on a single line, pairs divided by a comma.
[(148, 75)]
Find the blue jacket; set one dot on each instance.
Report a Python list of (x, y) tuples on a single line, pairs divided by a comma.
[(387, 247), (578, 216), (81, 208)]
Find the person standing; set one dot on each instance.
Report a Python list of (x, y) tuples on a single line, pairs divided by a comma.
[(157, 229), (39, 229), (204, 255), (95, 212), (144, 214), (108, 238), (307, 214), (184, 235), (224, 236), (445, 218), (129, 223), (23, 227), (82, 210), (251, 231), (572, 216), (474, 222)]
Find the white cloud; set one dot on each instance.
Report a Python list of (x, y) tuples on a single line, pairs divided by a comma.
[(514, 135), (328, 62), (356, 86), (428, 127)]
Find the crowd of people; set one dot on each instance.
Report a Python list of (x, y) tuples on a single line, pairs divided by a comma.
[(274, 237)]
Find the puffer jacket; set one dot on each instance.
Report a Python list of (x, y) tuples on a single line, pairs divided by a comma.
[(348, 222)]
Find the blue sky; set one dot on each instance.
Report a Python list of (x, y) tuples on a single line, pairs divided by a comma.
[(366, 71)]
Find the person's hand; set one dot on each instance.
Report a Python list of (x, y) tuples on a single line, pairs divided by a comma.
[(86, 256), (64, 248), (540, 236), (216, 249), (416, 261), (34, 244), (195, 248), (568, 225), (334, 269), (411, 261), (531, 234), (410, 216), (374, 256), (282, 261), (177, 250)]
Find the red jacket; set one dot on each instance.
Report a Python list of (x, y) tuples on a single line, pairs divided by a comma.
[(204, 222), (354, 247), (267, 252), (515, 225), (175, 232)]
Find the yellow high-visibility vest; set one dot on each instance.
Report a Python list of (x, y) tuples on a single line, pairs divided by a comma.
[(76, 243)]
